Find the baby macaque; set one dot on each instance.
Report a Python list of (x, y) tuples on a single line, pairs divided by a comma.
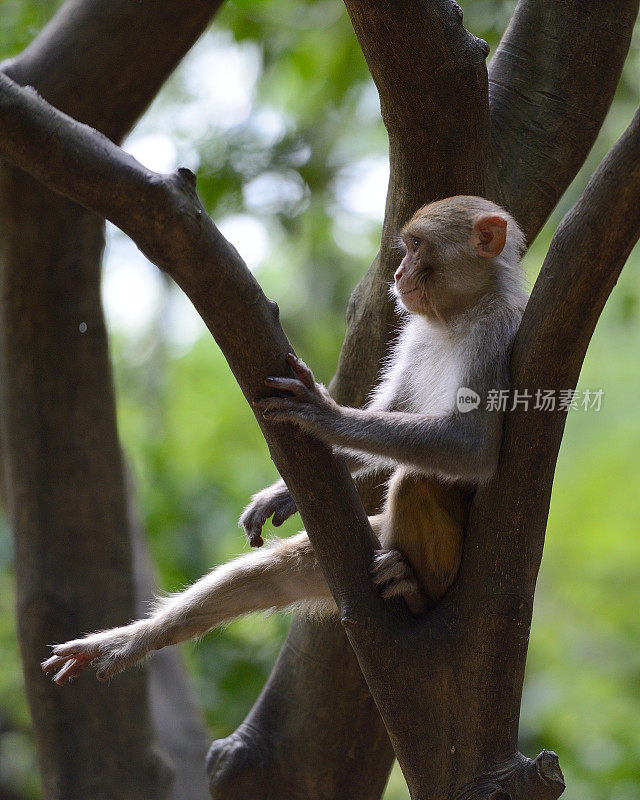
[(460, 291)]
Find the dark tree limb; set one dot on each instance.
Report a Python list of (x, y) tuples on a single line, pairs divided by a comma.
[(59, 434), (431, 76), (551, 83), (494, 592), (432, 80), (133, 47)]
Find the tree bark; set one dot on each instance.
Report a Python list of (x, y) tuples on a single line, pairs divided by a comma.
[(103, 60), (551, 83)]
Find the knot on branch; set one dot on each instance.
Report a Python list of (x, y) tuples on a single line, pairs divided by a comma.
[(520, 778), (484, 46), (237, 767), (457, 12), (187, 177)]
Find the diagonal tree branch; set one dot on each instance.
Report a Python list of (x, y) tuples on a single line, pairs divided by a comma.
[(551, 83), (431, 76), (104, 60), (168, 223)]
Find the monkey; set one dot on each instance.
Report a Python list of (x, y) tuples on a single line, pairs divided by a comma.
[(460, 294)]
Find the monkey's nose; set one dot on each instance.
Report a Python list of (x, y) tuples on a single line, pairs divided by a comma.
[(398, 274)]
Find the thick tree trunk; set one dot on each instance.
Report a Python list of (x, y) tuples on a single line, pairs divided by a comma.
[(103, 61)]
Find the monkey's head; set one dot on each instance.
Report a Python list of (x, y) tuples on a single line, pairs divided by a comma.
[(456, 251)]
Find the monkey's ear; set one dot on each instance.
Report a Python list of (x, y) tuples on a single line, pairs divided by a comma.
[(488, 235)]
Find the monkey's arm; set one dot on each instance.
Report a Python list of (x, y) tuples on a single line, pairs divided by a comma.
[(458, 445)]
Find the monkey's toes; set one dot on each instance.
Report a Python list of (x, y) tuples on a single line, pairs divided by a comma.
[(409, 590), (71, 665), (387, 565)]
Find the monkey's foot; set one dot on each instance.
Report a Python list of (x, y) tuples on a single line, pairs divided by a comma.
[(392, 574), (113, 651)]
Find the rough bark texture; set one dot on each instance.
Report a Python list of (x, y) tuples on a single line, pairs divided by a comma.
[(551, 82), (463, 643), (102, 61)]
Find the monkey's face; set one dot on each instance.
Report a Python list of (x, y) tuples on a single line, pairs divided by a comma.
[(450, 256), (415, 277), (440, 279)]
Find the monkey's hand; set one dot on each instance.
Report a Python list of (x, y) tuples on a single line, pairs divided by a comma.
[(112, 650), (275, 500), (308, 404)]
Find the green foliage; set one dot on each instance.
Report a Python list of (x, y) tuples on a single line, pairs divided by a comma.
[(20, 22)]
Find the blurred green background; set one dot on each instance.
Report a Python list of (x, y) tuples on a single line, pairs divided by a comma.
[(275, 112)]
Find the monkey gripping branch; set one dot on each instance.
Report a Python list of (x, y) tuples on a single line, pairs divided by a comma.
[(476, 638)]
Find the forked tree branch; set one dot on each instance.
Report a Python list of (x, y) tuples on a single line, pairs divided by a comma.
[(551, 83)]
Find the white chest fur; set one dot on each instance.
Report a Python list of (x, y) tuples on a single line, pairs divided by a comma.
[(424, 371)]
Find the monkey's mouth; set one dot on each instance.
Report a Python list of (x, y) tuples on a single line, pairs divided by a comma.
[(405, 292)]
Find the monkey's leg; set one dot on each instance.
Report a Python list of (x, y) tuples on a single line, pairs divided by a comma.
[(277, 576)]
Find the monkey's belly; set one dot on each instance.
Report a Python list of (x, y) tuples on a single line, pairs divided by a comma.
[(425, 520)]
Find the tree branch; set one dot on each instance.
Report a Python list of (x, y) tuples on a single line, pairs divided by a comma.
[(120, 36), (505, 535), (432, 80), (59, 431), (551, 83)]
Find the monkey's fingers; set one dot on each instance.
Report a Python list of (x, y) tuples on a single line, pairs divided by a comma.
[(281, 409), (253, 531), (293, 385), (383, 561), (301, 370), (252, 522)]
